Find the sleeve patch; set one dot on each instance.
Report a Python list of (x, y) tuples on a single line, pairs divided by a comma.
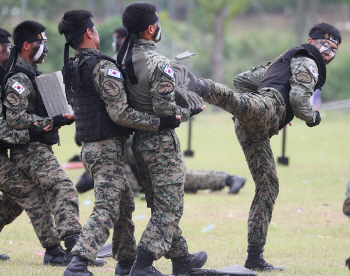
[(165, 87), (303, 77), (111, 88), (313, 71), (114, 73), (18, 87), (13, 99), (169, 71)]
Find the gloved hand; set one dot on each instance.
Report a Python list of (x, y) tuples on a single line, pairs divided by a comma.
[(59, 121), (195, 111), (196, 85), (317, 120), (69, 121), (169, 122), (34, 132)]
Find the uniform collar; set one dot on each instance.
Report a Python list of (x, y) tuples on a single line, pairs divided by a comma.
[(146, 43), (87, 51), (26, 64)]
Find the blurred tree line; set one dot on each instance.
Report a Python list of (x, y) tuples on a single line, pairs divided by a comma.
[(228, 36)]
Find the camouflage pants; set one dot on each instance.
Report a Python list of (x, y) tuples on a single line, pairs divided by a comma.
[(114, 201), (159, 162), (9, 210), (257, 117), (131, 177), (38, 163), (196, 180), (17, 188)]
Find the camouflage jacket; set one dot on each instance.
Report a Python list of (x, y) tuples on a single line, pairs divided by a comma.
[(112, 91), (8, 134), (154, 93), (21, 97), (301, 89)]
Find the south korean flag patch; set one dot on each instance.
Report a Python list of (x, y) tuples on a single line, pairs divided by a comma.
[(313, 71), (43, 35), (18, 87), (169, 71), (114, 73)]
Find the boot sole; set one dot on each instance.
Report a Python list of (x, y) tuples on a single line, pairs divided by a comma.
[(265, 269)]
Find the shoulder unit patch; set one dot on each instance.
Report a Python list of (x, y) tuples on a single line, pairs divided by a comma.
[(114, 73), (18, 87), (169, 71), (111, 88), (13, 99), (303, 77)]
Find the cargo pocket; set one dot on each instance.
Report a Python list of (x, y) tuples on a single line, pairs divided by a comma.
[(171, 169), (146, 141)]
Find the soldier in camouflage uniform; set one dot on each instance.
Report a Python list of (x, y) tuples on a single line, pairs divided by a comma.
[(118, 37), (269, 97), (25, 110), (16, 187), (150, 86), (9, 209), (214, 180), (94, 86)]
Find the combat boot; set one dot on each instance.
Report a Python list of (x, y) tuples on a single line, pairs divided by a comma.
[(54, 256), (346, 207), (184, 265), (235, 182), (77, 267), (143, 266), (69, 243), (123, 267), (4, 257), (347, 263), (255, 260)]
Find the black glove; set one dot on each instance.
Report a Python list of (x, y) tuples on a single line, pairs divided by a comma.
[(69, 122), (317, 120), (169, 122), (59, 121), (195, 111), (34, 132), (196, 85)]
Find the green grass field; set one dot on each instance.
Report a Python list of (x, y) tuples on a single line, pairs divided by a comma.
[(308, 235)]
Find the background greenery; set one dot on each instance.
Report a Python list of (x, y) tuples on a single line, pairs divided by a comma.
[(308, 235), (251, 32)]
